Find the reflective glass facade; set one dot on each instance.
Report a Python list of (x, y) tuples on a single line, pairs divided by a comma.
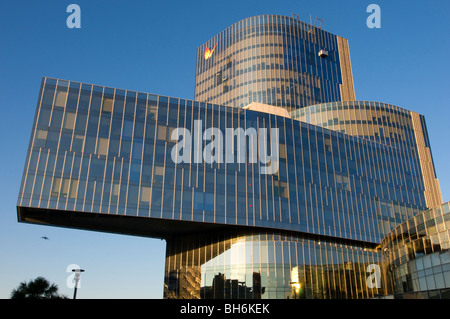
[(274, 60), (267, 265), (99, 158), (416, 256), (386, 124), (104, 150), (380, 122)]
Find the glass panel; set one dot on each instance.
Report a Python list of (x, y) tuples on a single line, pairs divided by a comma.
[(107, 105), (61, 95), (69, 121), (41, 138), (145, 194), (56, 186), (127, 132), (158, 175), (102, 146), (198, 200), (162, 132), (78, 142), (73, 188)]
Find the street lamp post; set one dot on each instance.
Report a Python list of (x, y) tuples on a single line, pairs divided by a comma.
[(77, 279)]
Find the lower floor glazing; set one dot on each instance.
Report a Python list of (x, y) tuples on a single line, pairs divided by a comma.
[(268, 265)]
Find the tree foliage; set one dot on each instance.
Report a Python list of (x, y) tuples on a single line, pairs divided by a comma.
[(39, 288)]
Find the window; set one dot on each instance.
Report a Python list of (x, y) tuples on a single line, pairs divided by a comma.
[(187, 202), (64, 187), (158, 175), (145, 194), (198, 200), (125, 148), (156, 200), (44, 117), (162, 109), (328, 144), (162, 132), (60, 98), (56, 186), (73, 188), (135, 172), (57, 117), (115, 193), (105, 123), (219, 78), (78, 142), (342, 182), (170, 131), (107, 105), (69, 121), (65, 142), (47, 99), (41, 138), (97, 167), (102, 146), (280, 189), (209, 201), (137, 149), (152, 109), (160, 152), (146, 173), (127, 129), (52, 140), (283, 151)]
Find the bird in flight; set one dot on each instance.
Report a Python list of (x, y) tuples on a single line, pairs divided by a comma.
[(44, 237)]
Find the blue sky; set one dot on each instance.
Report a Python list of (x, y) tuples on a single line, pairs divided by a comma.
[(150, 46)]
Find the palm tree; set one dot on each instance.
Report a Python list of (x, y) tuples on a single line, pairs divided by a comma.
[(39, 288)]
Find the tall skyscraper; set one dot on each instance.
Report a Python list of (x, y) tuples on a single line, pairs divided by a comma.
[(274, 60), (254, 200)]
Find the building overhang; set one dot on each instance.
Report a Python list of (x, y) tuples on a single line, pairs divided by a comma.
[(156, 227)]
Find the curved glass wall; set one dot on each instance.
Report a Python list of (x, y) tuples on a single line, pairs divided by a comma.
[(267, 266), (274, 60), (416, 255), (382, 123), (375, 121)]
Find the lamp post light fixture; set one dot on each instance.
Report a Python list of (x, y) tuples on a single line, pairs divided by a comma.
[(77, 279)]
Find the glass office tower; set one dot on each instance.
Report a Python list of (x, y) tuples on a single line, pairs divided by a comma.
[(274, 60), (101, 159)]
